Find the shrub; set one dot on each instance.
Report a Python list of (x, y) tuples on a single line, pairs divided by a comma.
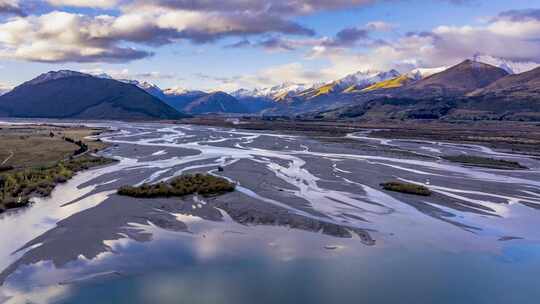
[(6, 168), (406, 188), (484, 162), (17, 187), (203, 184)]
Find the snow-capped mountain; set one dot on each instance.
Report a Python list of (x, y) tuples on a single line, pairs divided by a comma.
[(280, 92), (366, 78), (175, 91), (179, 91), (53, 75), (102, 75), (240, 93), (150, 88), (512, 67), (276, 92)]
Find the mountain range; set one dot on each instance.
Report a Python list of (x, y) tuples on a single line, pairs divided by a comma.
[(469, 90)]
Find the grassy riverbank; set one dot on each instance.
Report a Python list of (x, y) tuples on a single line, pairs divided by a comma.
[(18, 186), (35, 158)]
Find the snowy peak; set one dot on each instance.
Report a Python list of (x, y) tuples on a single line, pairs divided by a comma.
[(148, 87), (54, 75), (277, 92), (512, 67), (180, 91), (175, 91), (366, 78)]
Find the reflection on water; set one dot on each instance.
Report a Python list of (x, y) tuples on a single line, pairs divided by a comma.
[(308, 223)]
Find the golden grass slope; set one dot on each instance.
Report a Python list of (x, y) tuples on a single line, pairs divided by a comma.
[(389, 84), (322, 90)]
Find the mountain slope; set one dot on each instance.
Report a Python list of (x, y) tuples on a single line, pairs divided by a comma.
[(353, 83), (217, 102), (525, 85), (277, 93), (444, 96), (333, 87), (457, 80), (389, 84), (179, 99), (68, 94), (149, 88)]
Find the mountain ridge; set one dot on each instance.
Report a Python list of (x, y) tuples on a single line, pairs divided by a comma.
[(69, 94)]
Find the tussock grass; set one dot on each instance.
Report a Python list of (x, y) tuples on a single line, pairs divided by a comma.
[(203, 184), (406, 188), (484, 162)]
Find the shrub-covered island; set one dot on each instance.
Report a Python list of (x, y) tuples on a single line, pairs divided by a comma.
[(485, 162), (406, 188), (203, 184)]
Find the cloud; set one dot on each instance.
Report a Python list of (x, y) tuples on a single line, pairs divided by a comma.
[(512, 35), (380, 26), (11, 7), (272, 7), (127, 74), (294, 72), (85, 3), (208, 28), (347, 37), (61, 37), (68, 37), (240, 44), (519, 15)]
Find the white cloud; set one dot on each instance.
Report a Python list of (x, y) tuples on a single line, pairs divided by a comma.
[(514, 39), (380, 26), (61, 36), (11, 7), (127, 74), (294, 72), (85, 3)]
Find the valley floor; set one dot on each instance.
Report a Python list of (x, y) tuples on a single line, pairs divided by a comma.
[(510, 136), (326, 215)]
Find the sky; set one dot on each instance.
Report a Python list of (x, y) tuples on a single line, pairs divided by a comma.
[(232, 44)]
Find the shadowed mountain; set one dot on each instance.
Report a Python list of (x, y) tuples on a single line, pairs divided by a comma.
[(179, 100), (256, 104), (68, 94), (455, 81), (517, 86), (217, 102)]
